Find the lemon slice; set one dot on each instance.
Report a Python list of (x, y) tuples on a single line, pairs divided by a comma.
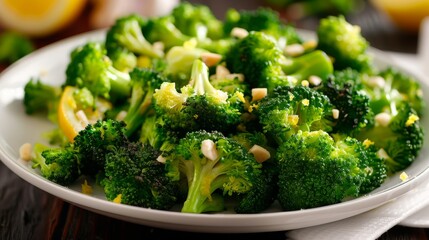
[(72, 119), (39, 17), (67, 118)]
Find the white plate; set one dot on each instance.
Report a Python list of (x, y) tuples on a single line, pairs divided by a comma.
[(17, 128)]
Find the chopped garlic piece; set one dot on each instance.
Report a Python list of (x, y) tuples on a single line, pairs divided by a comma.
[(403, 176), (294, 50), (239, 32), (315, 80), (305, 102), (208, 148), (222, 71), (376, 81), (158, 46), (259, 93), (305, 83), (381, 153), (411, 120), (261, 154), (383, 119), (121, 115), (86, 188), (210, 59), (161, 159), (25, 152), (367, 143), (82, 118), (335, 113)]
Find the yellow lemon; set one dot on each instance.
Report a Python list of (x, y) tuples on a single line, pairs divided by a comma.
[(72, 119), (406, 14), (39, 17)]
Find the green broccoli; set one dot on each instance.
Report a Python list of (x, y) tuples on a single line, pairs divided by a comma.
[(199, 105), (264, 65), (133, 174), (289, 110), (95, 141), (14, 46), (144, 82), (59, 165), (197, 20), (263, 20), (398, 136), (126, 34), (344, 43), (90, 67), (344, 90), (162, 29), (315, 170), (40, 97), (124, 61), (213, 166)]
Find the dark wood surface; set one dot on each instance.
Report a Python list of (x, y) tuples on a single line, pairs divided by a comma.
[(27, 212)]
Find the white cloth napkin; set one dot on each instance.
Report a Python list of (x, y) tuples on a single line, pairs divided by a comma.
[(371, 224)]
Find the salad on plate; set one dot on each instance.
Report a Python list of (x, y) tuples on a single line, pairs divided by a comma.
[(190, 112)]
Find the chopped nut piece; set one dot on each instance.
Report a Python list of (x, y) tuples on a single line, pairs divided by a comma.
[(161, 159), (259, 93), (376, 81), (315, 80), (158, 46), (381, 153), (311, 44), (335, 113), (294, 50), (208, 148), (239, 32), (121, 115), (383, 119), (261, 154), (239, 76), (210, 59), (25, 152), (222, 71)]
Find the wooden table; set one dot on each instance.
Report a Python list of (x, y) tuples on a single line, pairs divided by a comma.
[(26, 212)]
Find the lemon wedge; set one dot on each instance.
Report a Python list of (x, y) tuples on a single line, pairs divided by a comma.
[(39, 17), (72, 119), (407, 15)]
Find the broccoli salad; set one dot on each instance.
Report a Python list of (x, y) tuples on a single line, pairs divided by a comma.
[(210, 114)]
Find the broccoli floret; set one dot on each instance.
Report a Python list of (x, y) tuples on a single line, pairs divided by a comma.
[(197, 20), (212, 164), (14, 46), (352, 105), (126, 33), (59, 165), (316, 171), (288, 110), (264, 65), (198, 106), (264, 20), (231, 83), (162, 29), (122, 60), (95, 141), (344, 43), (390, 88), (264, 191), (144, 82), (90, 67), (398, 136), (154, 133), (41, 97), (133, 174)]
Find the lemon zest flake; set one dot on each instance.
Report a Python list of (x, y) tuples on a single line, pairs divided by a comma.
[(86, 188), (411, 120)]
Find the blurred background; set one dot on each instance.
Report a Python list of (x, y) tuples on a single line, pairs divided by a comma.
[(390, 25)]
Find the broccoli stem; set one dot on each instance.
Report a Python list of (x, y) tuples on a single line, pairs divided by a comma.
[(119, 81)]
